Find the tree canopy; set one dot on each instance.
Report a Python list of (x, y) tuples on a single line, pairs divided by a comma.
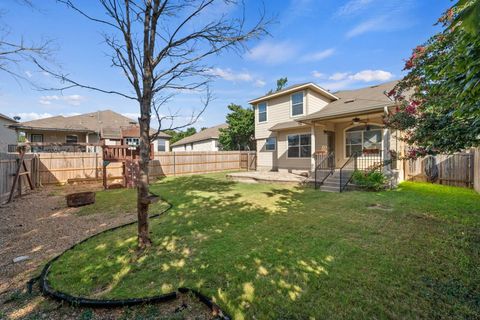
[(241, 129), (439, 99), (178, 135)]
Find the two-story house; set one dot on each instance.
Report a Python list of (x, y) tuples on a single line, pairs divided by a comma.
[(297, 127)]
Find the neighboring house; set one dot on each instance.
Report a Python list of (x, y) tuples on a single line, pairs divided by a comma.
[(8, 136), (300, 124), (96, 127), (205, 140)]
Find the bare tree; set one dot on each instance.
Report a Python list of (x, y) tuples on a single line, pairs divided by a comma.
[(14, 52), (161, 46)]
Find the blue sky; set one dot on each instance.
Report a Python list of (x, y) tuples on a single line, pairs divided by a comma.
[(337, 44)]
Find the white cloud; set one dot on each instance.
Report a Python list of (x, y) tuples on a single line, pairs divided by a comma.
[(27, 116), (272, 52), (352, 7), (74, 99), (342, 80), (318, 74), (229, 75), (338, 76), (371, 75), (259, 83), (319, 55), (373, 24), (28, 74)]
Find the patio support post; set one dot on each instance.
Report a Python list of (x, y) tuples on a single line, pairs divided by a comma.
[(312, 142), (386, 147)]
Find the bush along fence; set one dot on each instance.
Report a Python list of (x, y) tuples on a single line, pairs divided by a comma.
[(83, 167)]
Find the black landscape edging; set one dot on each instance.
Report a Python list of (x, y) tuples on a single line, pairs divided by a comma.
[(47, 290)]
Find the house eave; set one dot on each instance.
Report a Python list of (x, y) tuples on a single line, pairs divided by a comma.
[(302, 87)]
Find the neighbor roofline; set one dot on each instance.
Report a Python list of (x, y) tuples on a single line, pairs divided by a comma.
[(290, 90), (179, 142), (13, 126)]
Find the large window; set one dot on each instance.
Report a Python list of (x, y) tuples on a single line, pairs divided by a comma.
[(262, 112), (72, 139), (363, 139), (161, 145), (297, 104), (270, 144), (299, 146), (36, 138)]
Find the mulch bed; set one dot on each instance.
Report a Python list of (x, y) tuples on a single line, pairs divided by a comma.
[(40, 226)]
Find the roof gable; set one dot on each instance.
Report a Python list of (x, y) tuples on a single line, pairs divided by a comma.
[(294, 88)]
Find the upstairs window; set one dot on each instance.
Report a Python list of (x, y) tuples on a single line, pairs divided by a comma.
[(161, 145), (297, 104), (36, 138), (262, 112), (72, 139), (299, 146), (270, 144), (132, 142)]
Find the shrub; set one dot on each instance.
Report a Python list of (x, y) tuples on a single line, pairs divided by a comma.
[(371, 180)]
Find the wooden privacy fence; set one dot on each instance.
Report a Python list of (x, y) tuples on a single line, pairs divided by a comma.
[(64, 167), (8, 167), (454, 170)]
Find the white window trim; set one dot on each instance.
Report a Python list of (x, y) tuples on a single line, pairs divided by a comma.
[(303, 104), (274, 147), (71, 135), (132, 138), (266, 112), (300, 134), (356, 125)]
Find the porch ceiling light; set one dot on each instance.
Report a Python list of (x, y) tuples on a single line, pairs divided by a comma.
[(356, 121)]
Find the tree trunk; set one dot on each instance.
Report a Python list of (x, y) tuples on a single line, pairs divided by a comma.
[(143, 188)]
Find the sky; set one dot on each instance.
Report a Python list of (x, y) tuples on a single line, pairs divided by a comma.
[(338, 44)]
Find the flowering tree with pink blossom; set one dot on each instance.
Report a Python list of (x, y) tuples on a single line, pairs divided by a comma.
[(439, 99)]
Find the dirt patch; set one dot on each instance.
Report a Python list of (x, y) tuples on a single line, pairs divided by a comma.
[(40, 226)]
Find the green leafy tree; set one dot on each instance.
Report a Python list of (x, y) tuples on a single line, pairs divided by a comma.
[(241, 129), (439, 99), (281, 84), (179, 135)]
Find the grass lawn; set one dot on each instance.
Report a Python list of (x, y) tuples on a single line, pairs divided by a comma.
[(266, 251)]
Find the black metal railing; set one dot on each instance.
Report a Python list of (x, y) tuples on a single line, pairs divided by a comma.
[(347, 170), (325, 166)]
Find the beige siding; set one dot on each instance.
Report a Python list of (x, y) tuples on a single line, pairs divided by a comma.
[(205, 145), (266, 160), (279, 110), (56, 136), (7, 136), (315, 101)]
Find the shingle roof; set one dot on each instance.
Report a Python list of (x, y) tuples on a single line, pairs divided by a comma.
[(287, 125), (105, 121), (307, 85), (7, 118), (209, 133), (351, 102)]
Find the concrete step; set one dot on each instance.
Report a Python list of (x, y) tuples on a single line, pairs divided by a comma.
[(331, 184)]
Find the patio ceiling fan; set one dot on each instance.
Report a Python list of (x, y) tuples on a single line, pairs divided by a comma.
[(357, 121)]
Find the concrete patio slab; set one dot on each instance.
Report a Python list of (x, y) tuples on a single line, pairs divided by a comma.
[(267, 177)]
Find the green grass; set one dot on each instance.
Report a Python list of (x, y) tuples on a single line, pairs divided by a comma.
[(269, 251)]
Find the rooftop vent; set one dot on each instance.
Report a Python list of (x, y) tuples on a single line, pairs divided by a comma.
[(349, 100)]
